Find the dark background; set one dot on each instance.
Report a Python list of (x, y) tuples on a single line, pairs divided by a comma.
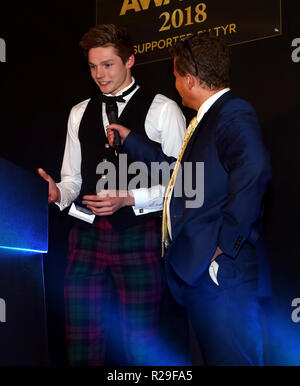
[(46, 74)]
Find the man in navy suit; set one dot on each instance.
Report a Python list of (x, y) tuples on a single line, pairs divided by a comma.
[(214, 253)]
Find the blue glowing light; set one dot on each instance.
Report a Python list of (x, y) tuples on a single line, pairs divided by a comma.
[(22, 249)]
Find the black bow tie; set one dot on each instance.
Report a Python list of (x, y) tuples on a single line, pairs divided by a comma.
[(119, 98)]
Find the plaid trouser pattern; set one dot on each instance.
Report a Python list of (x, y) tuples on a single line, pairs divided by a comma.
[(103, 262)]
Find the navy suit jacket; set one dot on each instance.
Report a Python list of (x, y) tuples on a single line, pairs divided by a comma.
[(236, 173)]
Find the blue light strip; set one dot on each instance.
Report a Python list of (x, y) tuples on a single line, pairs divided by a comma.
[(23, 249)]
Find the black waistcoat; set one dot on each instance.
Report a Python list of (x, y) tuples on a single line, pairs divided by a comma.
[(95, 149)]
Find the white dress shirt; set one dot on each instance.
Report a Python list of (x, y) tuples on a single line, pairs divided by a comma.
[(165, 124)]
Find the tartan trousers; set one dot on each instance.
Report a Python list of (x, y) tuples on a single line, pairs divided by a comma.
[(104, 265)]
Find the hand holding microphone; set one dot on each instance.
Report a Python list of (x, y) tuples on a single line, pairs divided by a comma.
[(111, 109), (122, 131)]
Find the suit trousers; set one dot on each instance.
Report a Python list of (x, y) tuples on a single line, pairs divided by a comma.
[(226, 316), (113, 280)]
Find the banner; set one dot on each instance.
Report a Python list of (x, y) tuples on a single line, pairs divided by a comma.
[(156, 24)]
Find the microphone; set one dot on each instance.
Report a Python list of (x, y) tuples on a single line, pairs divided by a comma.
[(111, 109)]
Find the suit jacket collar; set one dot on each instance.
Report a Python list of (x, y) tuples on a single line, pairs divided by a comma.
[(176, 222), (218, 104)]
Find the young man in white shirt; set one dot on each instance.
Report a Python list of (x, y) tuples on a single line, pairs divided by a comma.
[(119, 254)]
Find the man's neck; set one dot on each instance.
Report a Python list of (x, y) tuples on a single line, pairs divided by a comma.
[(205, 95), (127, 85), (207, 104)]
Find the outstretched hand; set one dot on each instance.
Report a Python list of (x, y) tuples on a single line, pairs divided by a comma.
[(123, 131), (54, 192)]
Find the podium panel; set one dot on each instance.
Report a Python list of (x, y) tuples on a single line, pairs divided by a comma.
[(23, 209), (23, 239), (23, 333)]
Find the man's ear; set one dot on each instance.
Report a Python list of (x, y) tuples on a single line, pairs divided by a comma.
[(130, 62), (191, 81)]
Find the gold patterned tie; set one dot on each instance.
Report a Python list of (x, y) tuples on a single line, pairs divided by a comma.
[(166, 220)]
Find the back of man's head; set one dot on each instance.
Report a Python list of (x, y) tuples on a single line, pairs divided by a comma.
[(205, 57)]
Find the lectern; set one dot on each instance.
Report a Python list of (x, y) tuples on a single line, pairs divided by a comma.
[(23, 241)]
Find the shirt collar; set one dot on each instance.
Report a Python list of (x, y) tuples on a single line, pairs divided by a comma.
[(209, 102), (124, 89)]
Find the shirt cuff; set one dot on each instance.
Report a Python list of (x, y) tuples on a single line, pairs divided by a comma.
[(63, 203), (148, 200)]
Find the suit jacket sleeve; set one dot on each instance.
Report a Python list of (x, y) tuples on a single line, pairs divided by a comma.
[(246, 161), (140, 149)]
